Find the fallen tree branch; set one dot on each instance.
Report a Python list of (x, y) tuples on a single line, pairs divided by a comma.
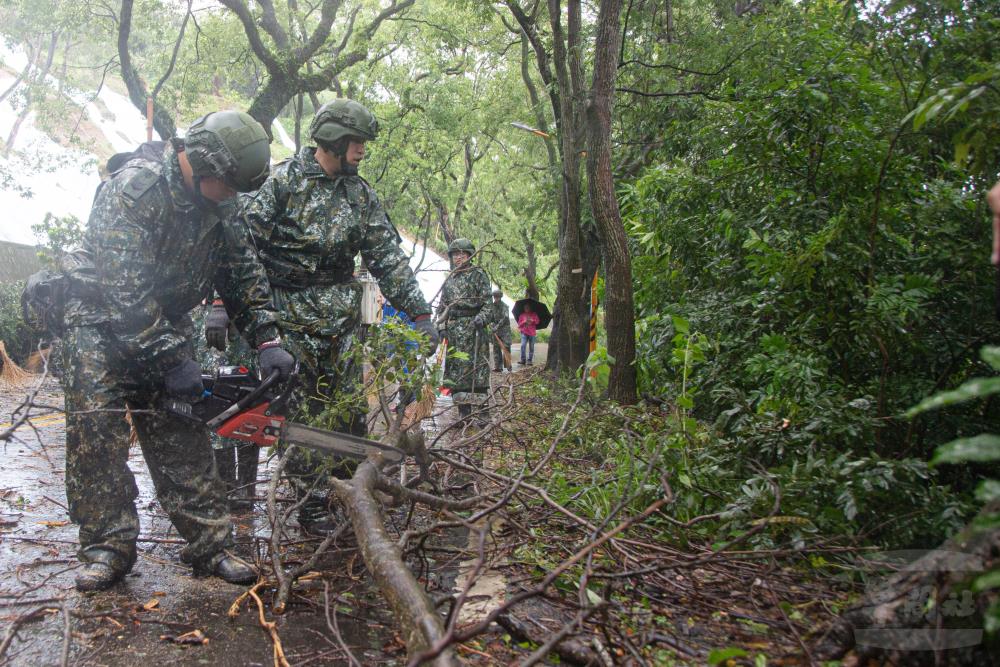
[(421, 626)]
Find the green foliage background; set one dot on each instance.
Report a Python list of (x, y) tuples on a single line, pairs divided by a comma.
[(802, 184)]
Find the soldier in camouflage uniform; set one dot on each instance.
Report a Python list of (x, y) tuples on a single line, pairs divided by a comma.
[(463, 317), (309, 220), (158, 240), (499, 328)]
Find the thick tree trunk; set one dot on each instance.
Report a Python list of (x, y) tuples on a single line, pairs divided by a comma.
[(277, 92), (571, 330), (618, 299)]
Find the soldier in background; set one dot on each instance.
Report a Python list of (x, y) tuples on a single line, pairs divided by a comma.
[(500, 328), (158, 240), (463, 317), (309, 221)]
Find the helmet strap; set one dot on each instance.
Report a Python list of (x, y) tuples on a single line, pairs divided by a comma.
[(339, 149), (200, 200)]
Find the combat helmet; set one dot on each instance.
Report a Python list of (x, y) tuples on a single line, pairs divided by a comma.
[(342, 118), (231, 146), (461, 245)]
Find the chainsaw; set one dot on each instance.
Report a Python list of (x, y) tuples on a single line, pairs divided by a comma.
[(237, 404)]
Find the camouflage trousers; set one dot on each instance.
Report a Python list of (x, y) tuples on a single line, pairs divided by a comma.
[(470, 374), (498, 358), (101, 489), (330, 396)]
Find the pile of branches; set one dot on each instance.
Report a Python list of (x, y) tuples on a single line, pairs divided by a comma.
[(590, 591)]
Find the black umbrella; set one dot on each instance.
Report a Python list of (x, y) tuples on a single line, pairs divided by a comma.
[(539, 308)]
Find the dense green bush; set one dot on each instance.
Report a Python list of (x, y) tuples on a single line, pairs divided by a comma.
[(831, 258)]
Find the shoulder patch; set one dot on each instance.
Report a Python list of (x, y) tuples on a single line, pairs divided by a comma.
[(138, 184)]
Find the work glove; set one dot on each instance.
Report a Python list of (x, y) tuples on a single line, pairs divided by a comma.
[(480, 321), (272, 357), (427, 328), (184, 380), (217, 327)]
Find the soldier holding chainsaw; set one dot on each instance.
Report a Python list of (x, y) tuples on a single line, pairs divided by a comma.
[(159, 239), (309, 220)]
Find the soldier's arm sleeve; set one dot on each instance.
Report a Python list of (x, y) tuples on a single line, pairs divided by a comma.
[(242, 283), (388, 263), (126, 249)]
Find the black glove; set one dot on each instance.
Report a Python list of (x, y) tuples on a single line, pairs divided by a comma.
[(480, 321), (184, 380), (217, 327), (427, 328), (272, 357)]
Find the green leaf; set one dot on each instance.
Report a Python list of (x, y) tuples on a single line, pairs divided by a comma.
[(986, 582), (988, 491), (991, 355), (974, 388), (984, 447), (680, 324), (720, 655)]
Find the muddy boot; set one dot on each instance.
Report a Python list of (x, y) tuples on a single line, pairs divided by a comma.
[(247, 458), (229, 568), (225, 463), (100, 573)]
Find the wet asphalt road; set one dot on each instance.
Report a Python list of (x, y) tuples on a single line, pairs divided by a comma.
[(132, 623)]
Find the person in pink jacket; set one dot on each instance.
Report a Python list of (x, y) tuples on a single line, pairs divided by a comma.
[(526, 324)]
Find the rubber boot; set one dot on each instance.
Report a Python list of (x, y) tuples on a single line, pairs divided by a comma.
[(247, 458), (99, 573), (229, 568)]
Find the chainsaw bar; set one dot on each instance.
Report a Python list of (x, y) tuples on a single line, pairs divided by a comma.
[(335, 442)]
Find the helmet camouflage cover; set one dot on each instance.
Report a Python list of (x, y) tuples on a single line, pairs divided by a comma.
[(342, 118), (461, 245), (231, 146)]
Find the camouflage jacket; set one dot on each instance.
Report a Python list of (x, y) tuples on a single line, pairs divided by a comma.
[(308, 229), (154, 255), (464, 294), (500, 319)]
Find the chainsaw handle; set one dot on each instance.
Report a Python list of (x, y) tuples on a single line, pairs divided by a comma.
[(248, 400)]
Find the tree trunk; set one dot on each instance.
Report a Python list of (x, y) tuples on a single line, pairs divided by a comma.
[(277, 92), (531, 268), (571, 330), (24, 73), (137, 89), (618, 300)]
